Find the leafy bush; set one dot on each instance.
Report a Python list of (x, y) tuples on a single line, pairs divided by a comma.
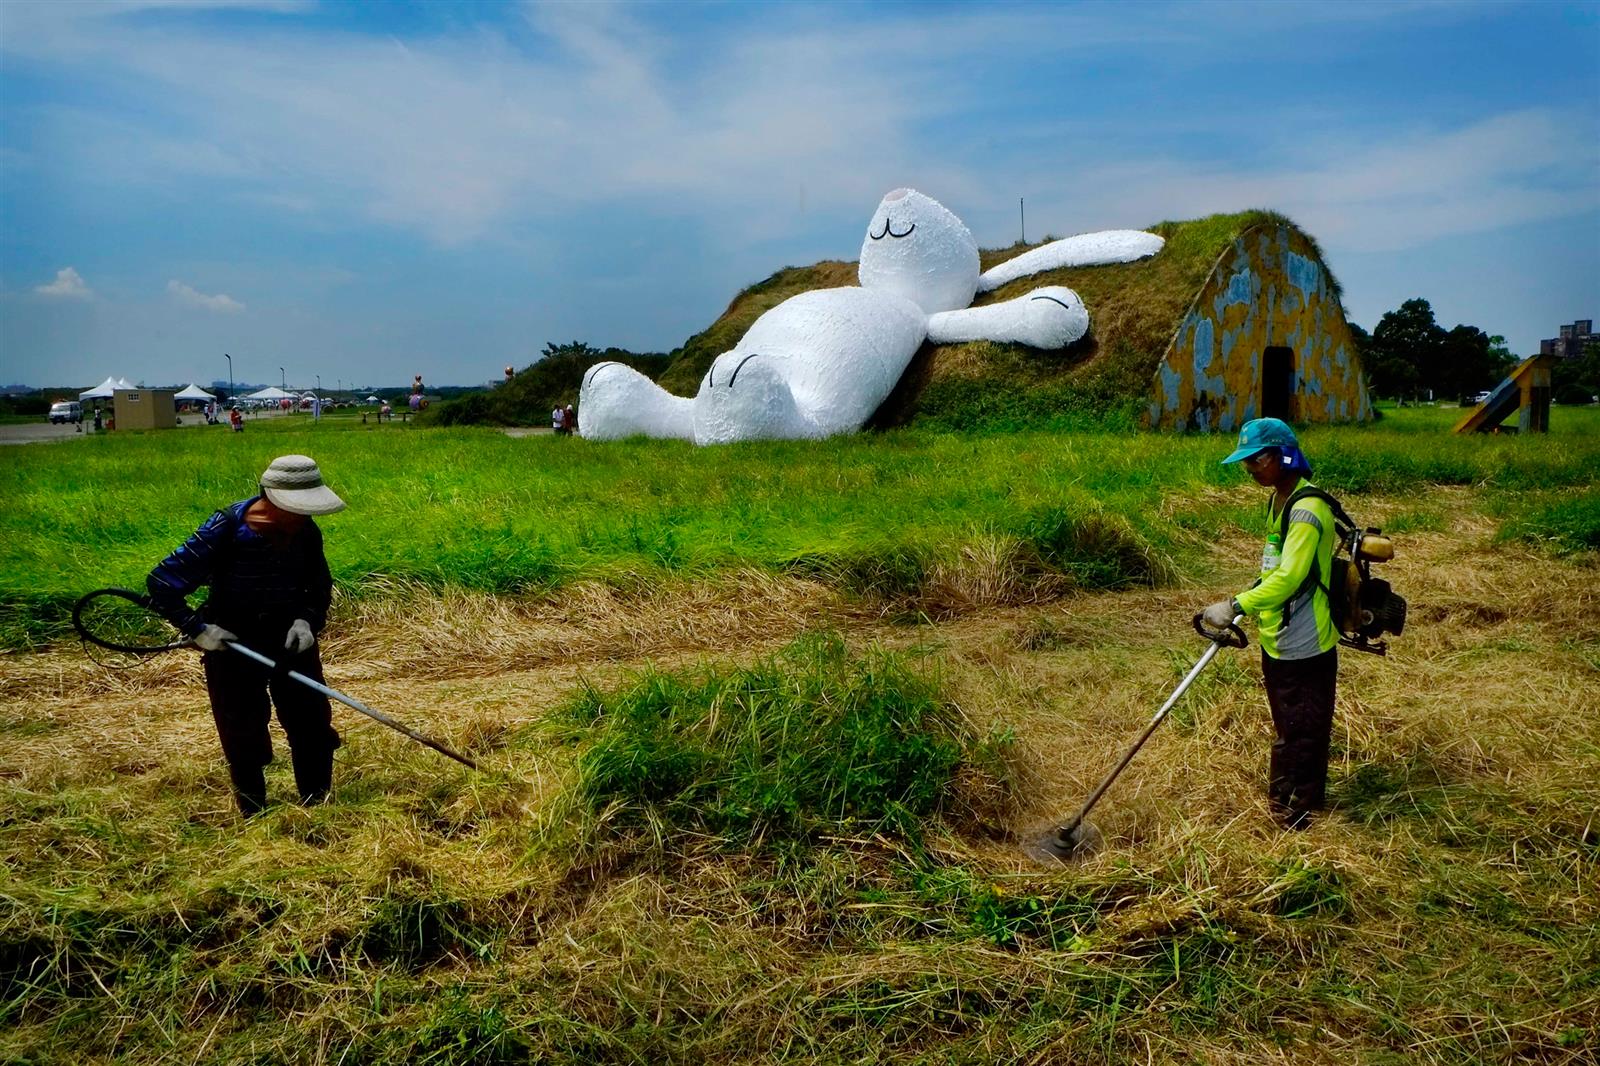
[(29, 404), (552, 381)]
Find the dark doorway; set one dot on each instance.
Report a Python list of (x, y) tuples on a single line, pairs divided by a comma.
[(1277, 383)]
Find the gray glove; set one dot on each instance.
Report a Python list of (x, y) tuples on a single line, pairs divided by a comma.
[(300, 637), (211, 638), (1220, 614)]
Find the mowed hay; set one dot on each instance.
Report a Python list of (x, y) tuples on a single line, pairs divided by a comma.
[(1444, 911)]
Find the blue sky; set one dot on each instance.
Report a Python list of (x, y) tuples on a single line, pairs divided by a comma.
[(369, 191)]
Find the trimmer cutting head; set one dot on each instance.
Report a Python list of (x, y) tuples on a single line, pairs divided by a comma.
[(1059, 843)]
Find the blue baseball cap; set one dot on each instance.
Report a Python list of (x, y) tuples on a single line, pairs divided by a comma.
[(1262, 433)]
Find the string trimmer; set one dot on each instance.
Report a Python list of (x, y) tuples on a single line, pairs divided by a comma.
[(1078, 837), (124, 621)]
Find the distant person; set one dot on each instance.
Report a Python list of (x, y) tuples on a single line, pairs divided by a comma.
[(385, 412), (270, 590), (1299, 642), (98, 424), (236, 420), (569, 421), (556, 418)]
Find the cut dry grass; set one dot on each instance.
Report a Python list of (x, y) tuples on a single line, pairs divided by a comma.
[(1445, 911)]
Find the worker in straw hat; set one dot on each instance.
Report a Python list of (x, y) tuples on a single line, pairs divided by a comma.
[(270, 590), (1299, 642)]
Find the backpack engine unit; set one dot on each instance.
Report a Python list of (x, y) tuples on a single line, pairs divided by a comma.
[(1363, 607)]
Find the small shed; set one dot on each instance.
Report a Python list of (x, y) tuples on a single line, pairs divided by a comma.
[(1265, 337), (145, 408)]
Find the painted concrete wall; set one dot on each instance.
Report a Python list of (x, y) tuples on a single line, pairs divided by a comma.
[(1268, 290)]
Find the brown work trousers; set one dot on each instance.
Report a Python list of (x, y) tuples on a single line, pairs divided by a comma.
[(239, 689), (1300, 693)]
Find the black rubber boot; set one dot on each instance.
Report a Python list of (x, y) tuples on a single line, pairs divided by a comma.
[(313, 774), (249, 788)]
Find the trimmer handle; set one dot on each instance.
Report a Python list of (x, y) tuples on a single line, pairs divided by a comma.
[(1232, 637)]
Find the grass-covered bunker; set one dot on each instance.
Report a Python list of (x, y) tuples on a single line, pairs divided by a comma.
[(1236, 318)]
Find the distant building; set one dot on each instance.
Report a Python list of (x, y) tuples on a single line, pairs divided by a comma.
[(1573, 338)]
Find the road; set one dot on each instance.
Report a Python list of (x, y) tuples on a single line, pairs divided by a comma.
[(42, 431)]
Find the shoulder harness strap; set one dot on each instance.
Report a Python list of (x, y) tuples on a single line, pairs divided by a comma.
[(1343, 526)]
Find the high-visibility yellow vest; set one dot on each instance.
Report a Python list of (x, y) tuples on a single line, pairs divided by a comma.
[(1294, 616)]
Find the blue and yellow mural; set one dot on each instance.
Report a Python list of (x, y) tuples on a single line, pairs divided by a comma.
[(1265, 336)]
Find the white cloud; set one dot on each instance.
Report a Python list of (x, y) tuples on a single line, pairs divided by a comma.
[(454, 136), (1364, 194), (69, 285), (187, 295), (462, 135)]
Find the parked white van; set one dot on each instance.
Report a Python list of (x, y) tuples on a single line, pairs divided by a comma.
[(66, 411)]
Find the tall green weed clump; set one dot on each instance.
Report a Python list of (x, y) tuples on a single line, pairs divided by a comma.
[(813, 742), (1563, 522)]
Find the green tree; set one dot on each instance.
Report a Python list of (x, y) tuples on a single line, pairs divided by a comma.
[(1577, 380), (1505, 361), (1467, 363), (1405, 350)]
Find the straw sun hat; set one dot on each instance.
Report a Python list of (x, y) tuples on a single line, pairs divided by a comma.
[(294, 484)]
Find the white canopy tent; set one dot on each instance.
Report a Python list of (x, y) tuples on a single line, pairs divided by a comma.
[(272, 392), (373, 399), (193, 392), (104, 390)]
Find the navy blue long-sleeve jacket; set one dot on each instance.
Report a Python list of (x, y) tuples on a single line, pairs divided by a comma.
[(258, 583)]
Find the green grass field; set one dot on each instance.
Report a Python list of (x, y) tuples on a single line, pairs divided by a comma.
[(761, 727), (474, 509)]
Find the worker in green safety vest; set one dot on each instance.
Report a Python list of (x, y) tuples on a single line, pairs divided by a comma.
[(1299, 642)]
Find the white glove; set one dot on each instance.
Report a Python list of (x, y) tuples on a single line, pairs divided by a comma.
[(211, 638), (1220, 614), (300, 637)]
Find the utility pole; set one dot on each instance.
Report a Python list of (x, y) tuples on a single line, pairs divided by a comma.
[(283, 382), (229, 358), (1022, 211)]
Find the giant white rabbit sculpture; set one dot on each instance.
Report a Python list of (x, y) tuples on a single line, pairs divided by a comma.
[(821, 362)]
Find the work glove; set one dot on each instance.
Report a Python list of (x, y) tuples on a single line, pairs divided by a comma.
[(300, 637), (212, 638), (1220, 615)]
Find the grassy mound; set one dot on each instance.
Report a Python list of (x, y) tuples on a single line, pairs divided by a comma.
[(691, 362), (1103, 379)]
